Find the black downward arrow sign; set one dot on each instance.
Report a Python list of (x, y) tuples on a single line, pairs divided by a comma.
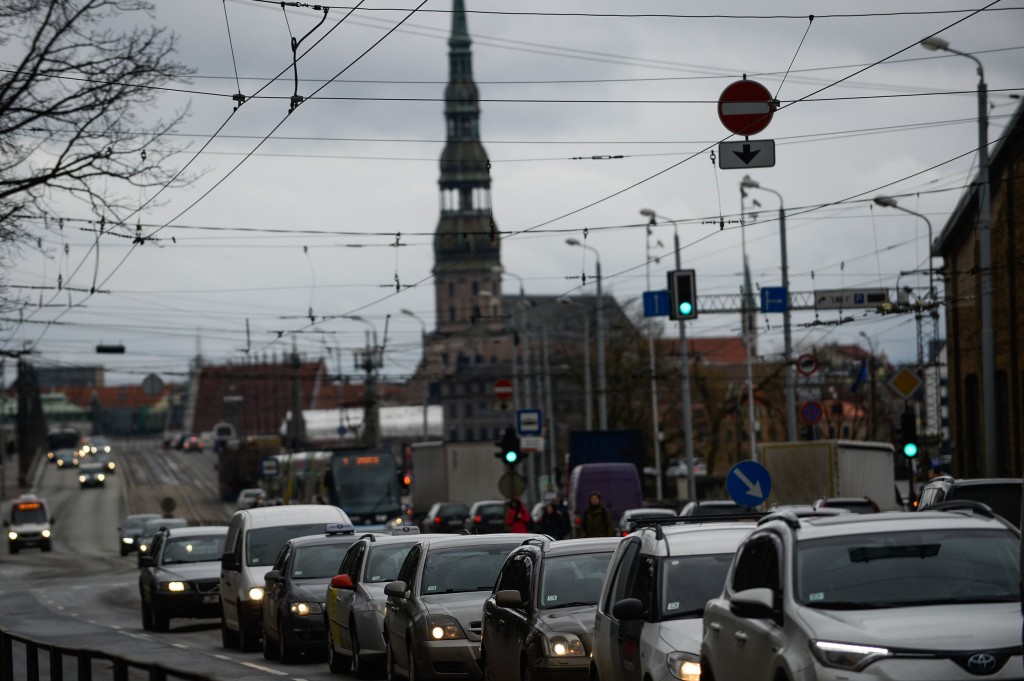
[(747, 155)]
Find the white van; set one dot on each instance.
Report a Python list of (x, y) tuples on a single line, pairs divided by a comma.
[(255, 537), (27, 522)]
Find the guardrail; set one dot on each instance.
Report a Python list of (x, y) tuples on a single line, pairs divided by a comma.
[(83, 659)]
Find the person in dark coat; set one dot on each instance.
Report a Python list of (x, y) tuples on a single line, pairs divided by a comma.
[(553, 523), (596, 520)]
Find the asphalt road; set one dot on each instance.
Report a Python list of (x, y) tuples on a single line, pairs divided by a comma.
[(84, 594)]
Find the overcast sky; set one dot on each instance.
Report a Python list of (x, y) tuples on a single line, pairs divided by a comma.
[(308, 223)]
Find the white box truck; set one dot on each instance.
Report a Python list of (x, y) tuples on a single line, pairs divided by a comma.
[(454, 471), (802, 472)]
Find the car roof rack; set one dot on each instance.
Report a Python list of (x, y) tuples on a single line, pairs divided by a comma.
[(963, 505), (543, 541), (658, 523), (370, 535), (785, 516)]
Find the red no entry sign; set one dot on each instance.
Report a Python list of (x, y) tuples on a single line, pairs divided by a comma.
[(503, 389), (746, 107)]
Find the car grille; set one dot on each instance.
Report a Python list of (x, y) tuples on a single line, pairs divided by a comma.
[(209, 587)]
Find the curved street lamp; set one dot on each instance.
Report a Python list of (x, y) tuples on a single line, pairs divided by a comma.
[(602, 381)]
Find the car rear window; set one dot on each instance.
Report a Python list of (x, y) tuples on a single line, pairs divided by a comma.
[(1004, 499)]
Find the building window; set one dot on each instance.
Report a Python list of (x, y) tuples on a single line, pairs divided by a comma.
[(469, 434), (476, 288), (451, 289), (453, 435), (468, 410), (451, 314)]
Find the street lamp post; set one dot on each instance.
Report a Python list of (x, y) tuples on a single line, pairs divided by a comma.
[(654, 373), (426, 380), (749, 183), (602, 381), (370, 359), (871, 388), (684, 370), (988, 345)]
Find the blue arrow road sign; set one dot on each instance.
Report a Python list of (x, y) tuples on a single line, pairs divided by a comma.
[(773, 299), (748, 483), (656, 303)]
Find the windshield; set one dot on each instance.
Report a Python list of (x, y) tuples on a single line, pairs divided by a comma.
[(567, 581), (193, 550), (908, 568), (28, 513), (385, 562), (263, 545), (689, 582), (467, 568), (319, 562), (365, 483)]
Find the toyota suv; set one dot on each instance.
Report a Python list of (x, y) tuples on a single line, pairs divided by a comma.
[(927, 595), (648, 620)]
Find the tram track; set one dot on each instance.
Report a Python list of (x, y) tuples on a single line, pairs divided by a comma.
[(154, 475)]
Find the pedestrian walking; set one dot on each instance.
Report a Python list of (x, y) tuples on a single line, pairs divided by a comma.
[(597, 520), (552, 522)]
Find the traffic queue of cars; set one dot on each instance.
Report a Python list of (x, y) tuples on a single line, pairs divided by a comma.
[(794, 594)]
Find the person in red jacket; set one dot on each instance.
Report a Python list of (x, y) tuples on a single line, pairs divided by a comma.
[(517, 518)]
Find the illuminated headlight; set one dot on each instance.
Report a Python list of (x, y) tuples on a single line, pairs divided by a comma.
[(111, 465), (143, 548), (106, 449), (303, 608), (684, 666), (127, 540), (846, 655), (12, 535), (46, 534), (49, 455), (60, 463), (176, 587), (92, 450), (256, 593), (566, 645), (101, 477), (82, 479), (444, 628)]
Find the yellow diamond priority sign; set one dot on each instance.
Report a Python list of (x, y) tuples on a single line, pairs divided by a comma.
[(905, 383)]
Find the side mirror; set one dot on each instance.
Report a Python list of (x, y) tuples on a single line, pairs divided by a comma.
[(147, 561), (508, 598), (395, 589), (755, 604), (342, 582), (229, 562), (628, 609), (274, 576)]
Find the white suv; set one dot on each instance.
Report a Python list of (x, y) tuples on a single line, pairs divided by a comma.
[(647, 626), (931, 595)]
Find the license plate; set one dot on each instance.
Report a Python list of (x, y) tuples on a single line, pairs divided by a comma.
[(211, 598), (454, 523)]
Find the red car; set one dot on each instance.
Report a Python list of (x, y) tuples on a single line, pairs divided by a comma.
[(192, 444)]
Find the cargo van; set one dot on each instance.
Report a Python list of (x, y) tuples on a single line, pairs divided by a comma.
[(617, 483), (27, 523), (255, 537)]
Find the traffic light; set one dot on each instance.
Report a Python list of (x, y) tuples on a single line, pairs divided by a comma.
[(682, 292), (908, 434), (509, 449)]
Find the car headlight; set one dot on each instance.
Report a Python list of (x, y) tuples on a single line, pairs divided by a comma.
[(49, 455), (444, 628), (81, 478), (111, 465), (175, 586), (143, 548), (846, 655), (46, 534), (256, 593), (684, 666), (101, 477), (303, 608), (127, 540), (565, 645), (12, 535), (107, 449)]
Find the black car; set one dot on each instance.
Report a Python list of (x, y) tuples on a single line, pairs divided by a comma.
[(148, 532), (131, 527), (446, 517), (539, 621), (852, 504), (1002, 495), (180, 575), (486, 517), (296, 586)]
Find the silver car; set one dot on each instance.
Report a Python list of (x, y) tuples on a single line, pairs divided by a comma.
[(355, 602), (648, 620), (928, 595), (433, 618)]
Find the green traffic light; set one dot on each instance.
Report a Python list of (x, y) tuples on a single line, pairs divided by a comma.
[(910, 450), (511, 457), (686, 308)]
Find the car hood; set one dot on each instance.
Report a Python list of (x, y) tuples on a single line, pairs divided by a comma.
[(467, 608), (578, 620), (21, 528), (978, 626), (683, 635), (312, 589), (209, 570)]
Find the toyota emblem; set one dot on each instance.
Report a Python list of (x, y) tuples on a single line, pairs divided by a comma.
[(982, 663)]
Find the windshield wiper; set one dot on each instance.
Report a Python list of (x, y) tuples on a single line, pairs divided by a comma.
[(573, 604), (696, 612)]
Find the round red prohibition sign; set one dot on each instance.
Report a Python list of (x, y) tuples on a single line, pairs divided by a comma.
[(806, 364), (503, 389), (746, 107)]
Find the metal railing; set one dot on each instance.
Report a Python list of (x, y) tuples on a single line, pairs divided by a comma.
[(83, 659)]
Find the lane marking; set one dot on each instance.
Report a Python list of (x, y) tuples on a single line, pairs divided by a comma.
[(224, 657), (264, 669), (180, 645)]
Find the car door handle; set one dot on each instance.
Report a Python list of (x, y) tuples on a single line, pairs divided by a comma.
[(740, 636), (715, 627)]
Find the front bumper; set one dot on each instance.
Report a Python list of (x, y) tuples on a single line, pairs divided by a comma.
[(30, 539), (562, 668), (187, 604), (457, 659), (309, 631)]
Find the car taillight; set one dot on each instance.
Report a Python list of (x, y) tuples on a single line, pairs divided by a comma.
[(579, 520), (625, 533), (477, 519), (437, 520)]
